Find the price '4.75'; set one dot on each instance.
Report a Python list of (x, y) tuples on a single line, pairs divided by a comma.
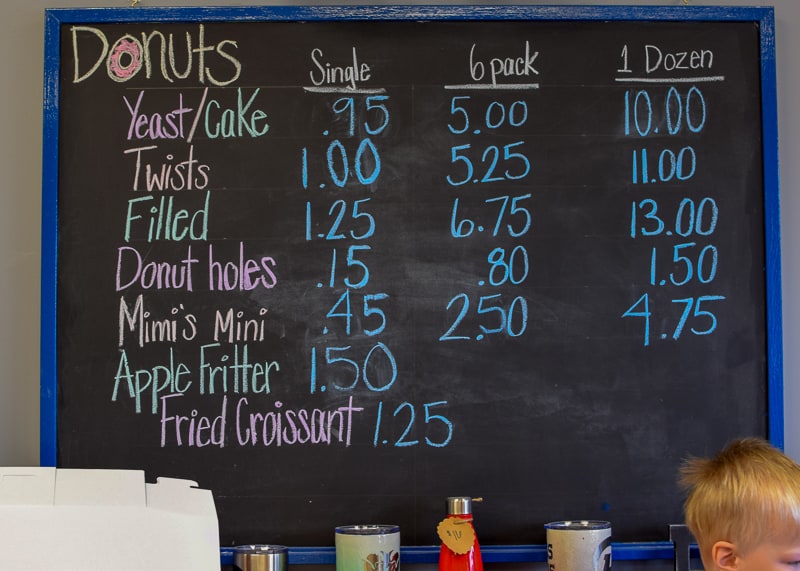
[(695, 313)]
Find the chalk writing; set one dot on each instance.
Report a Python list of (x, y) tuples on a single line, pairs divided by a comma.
[(127, 56)]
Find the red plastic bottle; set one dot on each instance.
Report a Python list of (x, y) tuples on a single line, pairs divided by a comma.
[(460, 507)]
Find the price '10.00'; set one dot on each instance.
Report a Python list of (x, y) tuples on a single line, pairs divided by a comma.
[(678, 111)]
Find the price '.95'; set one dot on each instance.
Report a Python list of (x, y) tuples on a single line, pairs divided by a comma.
[(696, 314)]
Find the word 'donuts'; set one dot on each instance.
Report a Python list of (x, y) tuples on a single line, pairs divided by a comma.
[(155, 52)]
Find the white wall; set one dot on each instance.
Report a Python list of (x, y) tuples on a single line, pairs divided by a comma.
[(21, 46)]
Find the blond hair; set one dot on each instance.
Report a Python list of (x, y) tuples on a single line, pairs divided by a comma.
[(748, 493)]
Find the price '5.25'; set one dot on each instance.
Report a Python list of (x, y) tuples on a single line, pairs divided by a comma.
[(518, 164)]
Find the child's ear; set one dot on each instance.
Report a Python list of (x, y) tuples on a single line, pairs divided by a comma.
[(724, 556)]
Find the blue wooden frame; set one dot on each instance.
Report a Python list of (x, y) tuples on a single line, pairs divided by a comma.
[(764, 17)]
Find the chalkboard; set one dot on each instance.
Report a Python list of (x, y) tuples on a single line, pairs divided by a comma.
[(337, 264)]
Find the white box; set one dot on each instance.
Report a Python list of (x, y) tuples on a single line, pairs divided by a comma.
[(65, 519)]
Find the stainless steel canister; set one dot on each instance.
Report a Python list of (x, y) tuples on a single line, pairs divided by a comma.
[(579, 545), (260, 557), (459, 505)]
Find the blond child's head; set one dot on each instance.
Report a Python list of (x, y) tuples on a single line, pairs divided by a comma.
[(743, 507)]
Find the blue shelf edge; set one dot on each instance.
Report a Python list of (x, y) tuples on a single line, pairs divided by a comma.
[(634, 551)]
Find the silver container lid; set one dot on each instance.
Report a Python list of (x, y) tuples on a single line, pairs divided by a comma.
[(368, 529), (459, 505), (260, 557)]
